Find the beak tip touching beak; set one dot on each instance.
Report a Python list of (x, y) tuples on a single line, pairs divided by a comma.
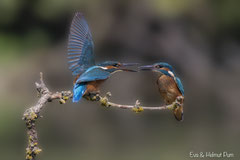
[(129, 64), (146, 68)]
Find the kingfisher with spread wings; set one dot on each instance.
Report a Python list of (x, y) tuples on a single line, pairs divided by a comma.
[(89, 75)]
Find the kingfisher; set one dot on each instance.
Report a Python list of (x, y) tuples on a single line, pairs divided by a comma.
[(169, 85), (81, 59)]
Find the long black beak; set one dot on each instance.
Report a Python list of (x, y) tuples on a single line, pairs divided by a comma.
[(128, 70), (130, 64), (146, 68), (122, 67)]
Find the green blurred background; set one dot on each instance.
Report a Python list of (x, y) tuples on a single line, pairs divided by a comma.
[(199, 38)]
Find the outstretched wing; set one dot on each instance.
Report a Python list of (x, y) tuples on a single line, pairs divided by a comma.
[(80, 45), (180, 86), (92, 74)]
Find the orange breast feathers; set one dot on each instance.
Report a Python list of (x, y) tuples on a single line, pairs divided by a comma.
[(93, 86), (110, 67), (168, 88)]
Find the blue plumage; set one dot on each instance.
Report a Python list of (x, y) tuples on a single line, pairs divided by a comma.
[(169, 86), (78, 91), (164, 68), (81, 60), (92, 74), (177, 80), (80, 46), (179, 84), (164, 65), (108, 63)]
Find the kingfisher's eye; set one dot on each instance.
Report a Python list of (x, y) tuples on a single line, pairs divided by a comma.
[(157, 66), (116, 65)]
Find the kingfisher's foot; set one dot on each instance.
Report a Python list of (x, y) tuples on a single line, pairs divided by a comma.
[(173, 106), (93, 96)]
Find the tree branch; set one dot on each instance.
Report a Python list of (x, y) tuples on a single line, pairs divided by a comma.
[(33, 113), (136, 107)]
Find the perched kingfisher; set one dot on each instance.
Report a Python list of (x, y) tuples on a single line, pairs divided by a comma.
[(170, 86), (82, 63)]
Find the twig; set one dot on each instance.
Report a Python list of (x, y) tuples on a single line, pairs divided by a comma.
[(33, 113), (136, 107)]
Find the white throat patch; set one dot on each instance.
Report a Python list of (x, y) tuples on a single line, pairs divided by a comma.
[(103, 67), (171, 73)]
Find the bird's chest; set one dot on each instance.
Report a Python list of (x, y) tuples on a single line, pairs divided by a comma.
[(93, 86), (168, 89)]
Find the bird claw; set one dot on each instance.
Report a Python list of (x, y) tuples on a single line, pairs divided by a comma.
[(174, 105), (92, 97), (171, 107)]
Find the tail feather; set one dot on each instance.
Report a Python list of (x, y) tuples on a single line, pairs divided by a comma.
[(78, 91)]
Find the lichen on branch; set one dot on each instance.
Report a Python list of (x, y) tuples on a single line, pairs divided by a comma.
[(33, 113)]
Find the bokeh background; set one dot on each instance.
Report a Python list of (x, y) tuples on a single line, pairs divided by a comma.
[(199, 38)]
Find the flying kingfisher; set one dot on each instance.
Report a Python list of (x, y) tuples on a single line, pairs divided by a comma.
[(89, 75), (170, 86)]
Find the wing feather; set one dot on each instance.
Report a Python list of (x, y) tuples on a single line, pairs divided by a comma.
[(179, 84), (177, 80), (80, 46), (93, 74)]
